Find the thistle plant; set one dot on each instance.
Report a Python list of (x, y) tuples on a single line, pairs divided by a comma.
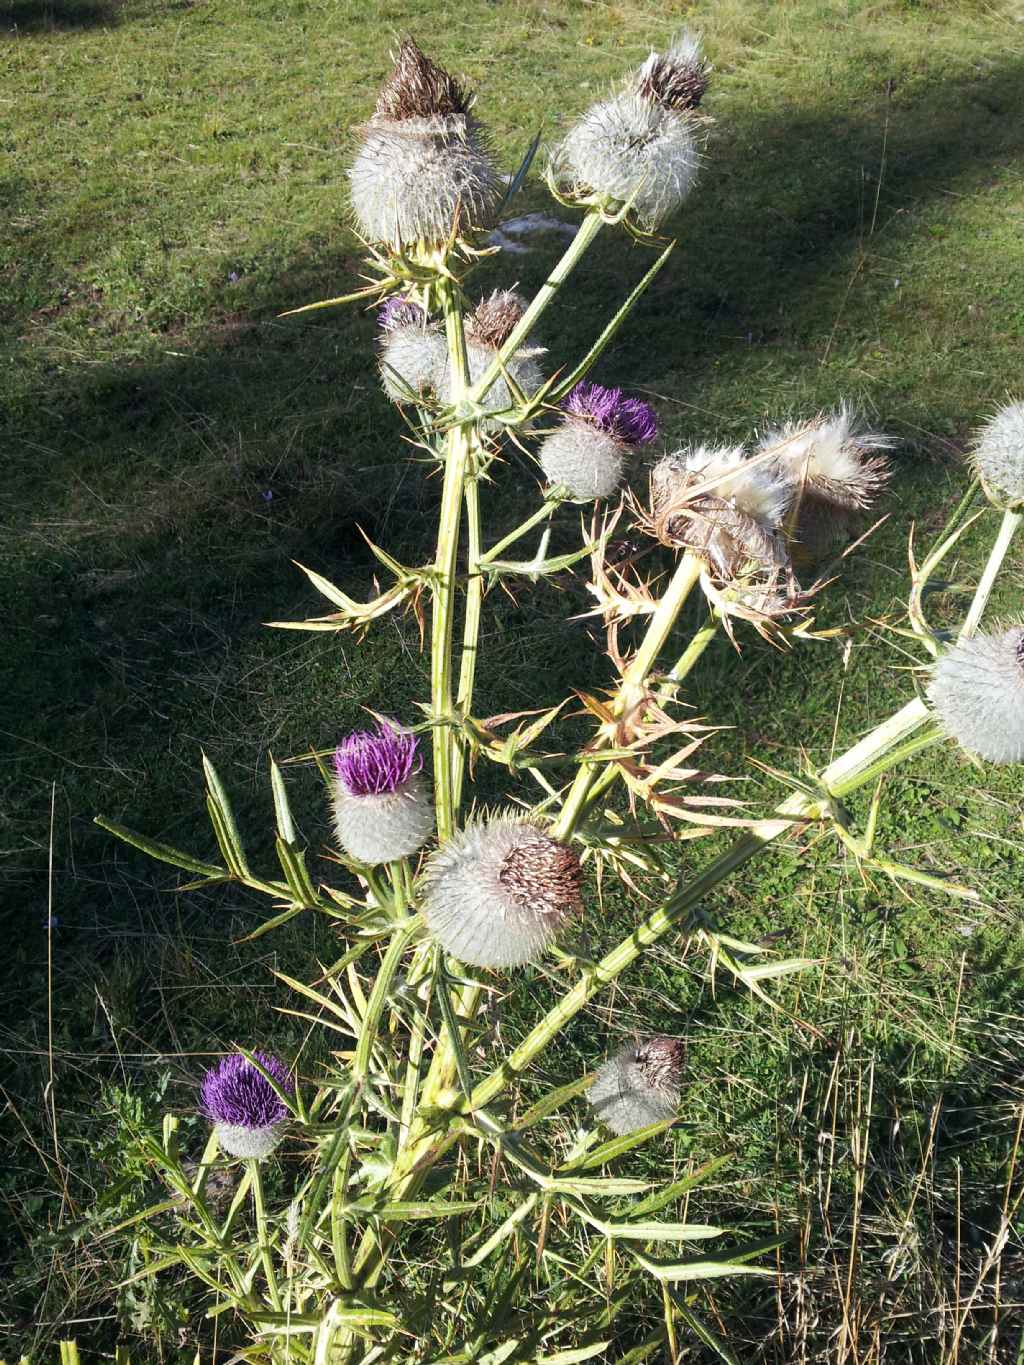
[(531, 1239)]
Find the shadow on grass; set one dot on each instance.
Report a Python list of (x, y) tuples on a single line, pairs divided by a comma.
[(54, 16)]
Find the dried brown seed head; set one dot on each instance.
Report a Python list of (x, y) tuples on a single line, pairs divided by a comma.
[(419, 88), (543, 875), (494, 317)]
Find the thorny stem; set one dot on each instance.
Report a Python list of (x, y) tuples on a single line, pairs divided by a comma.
[(470, 631), (553, 499), (1011, 520), (378, 997), (266, 1254), (631, 689)]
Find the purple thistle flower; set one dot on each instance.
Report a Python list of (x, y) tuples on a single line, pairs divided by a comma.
[(246, 1109), (629, 420), (370, 764), (397, 312)]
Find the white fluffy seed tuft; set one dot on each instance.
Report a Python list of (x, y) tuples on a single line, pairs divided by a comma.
[(496, 894), (585, 459), (977, 689), (383, 826), (627, 146), (417, 179), (998, 453)]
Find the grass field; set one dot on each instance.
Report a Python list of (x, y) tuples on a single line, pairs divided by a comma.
[(174, 180)]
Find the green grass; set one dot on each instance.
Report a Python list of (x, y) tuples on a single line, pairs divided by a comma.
[(174, 180)]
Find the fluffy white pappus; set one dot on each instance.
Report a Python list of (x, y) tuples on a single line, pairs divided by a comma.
[(998, 453), (829, 459), (638, 1086), (755, 490), (382, 826), (523, 369), (413, 357), (496, 894), (415, 179), (237, 1140), (977, 690), (585, 459), (626, 145)]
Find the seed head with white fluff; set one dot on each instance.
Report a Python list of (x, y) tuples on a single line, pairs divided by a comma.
[(733, 524), (998, 454), (642, 143), (382, 810), (496, 894), (639, 1085), (977, 689), (423, 170), (586, 451)]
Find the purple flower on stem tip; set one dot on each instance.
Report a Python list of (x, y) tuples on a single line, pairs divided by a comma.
[(246, 1109), (629, 420), (397, 312), (371, 764)]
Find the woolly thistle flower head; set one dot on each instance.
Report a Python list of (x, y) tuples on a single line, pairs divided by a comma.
[(382, 810), (423, 170), (977, 689), (998, 454), (488, 327), (247, 1113), (829, 461), (493, 319), (639, 1085), (585, 452), (641, 144), (735, 523), (413, 352), (497, 892)]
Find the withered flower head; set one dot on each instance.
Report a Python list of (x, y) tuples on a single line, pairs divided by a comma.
[(494, 317), (639, 1085), (418, 88), (677, 79), (497, 891), (735, 524)]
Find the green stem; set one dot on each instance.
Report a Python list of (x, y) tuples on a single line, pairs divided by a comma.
[(1011, 520), (690, 656), (552, 500), (588, 230), (445, 564), (631, 690), (266, 1254), (378, 997), (470, 633)]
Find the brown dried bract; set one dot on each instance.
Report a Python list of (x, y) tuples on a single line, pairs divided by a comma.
[(676, 86), (661, 1062), (419, 88), (543, 875)]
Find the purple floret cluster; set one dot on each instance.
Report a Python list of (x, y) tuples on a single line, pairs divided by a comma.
[(629, 420), (397, 312), (373, 763), (235, 1092)]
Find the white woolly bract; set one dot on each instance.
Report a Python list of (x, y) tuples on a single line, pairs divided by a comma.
[(623, 1098), (523, 369), (756, 490), (626, 145), (415, 179), (998, 453), (829, 458), (977, 689), (419, 355), (470, 911), (237, 1140), (383, 826), (585, 459)]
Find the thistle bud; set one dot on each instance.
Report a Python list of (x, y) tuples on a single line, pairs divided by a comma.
[(382, 810), (423, 171), (642, 143), (497, 892), (998, 454), (413, 353), (487, 329), (733, 525), (587, 451), (639, 1085), (977, 689), (247, 1113)]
